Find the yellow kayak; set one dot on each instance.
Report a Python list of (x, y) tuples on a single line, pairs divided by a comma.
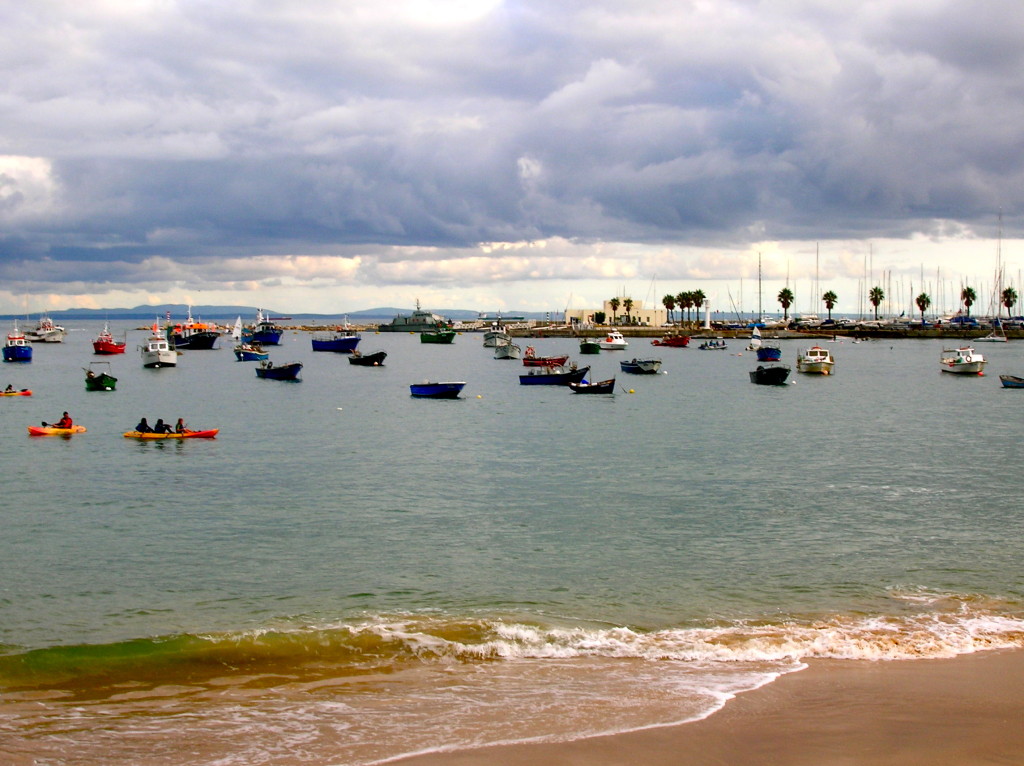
[(51, 431), (207, 434)]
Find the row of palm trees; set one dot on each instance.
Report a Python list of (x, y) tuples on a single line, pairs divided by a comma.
[(696, 299)]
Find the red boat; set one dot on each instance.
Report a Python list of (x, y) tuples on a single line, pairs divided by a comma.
[(530, 359), (672, 341), (105, 343)]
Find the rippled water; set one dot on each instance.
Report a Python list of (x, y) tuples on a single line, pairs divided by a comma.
[(343, 557)]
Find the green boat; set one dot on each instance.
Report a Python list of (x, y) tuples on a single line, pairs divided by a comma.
[(98, 377), (437, 336), (589, 346)]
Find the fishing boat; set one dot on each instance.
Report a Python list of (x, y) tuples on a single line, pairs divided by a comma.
[(157, 351), (600, 387), (342, 341), (98, 377), (496, 335), (54, 431), (553, 376), (46, 332), (962, 361), (250, 352), (441, 335), (268, 370), (773, 375), (437, 390), (20, 392), (508, 350), (613, 340), (106, 344), (418, 321), (376, 359), (263, 331), (208, 433), (672, 341), (815, 361), (589, 346), (192, 335), (1008, 381), (530, 359), (641, 366), (17, 348), (769, 352), (714, 344)]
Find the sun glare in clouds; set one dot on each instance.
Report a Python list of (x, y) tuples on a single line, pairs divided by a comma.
[(441, 12)]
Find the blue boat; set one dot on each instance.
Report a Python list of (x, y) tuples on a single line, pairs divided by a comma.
[(769, 353), (342, 342), (264, 332), (553, 376), (288, 371), (17, 348), (250, 352), (641, 366), (441, 390)]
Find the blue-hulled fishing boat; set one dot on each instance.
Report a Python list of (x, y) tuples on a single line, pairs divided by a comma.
[(641, 366), (288, 371), (250, 352), (439, 390), (17, 348), (264, 331), (341, 342)]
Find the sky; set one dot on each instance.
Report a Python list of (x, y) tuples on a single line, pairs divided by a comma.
[(333, 156)]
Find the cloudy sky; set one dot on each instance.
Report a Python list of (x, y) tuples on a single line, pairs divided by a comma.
[(337, 155)]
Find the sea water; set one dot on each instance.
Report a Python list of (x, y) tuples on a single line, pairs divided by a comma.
[(347, 574)]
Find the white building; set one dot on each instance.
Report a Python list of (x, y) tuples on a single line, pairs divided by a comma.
[(638, 315)]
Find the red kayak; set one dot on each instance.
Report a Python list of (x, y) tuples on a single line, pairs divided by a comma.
[(52, 431), (207, 434), (22, 392)]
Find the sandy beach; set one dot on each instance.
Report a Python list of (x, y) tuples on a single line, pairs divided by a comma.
[(957, 712)]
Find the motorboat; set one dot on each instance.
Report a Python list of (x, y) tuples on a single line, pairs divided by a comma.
[(343, 341), (613, 340), (46, 332), (714, 344), (496, 336), (157, 351), (641, 366), (106, 344), (553, 376), (507, 350), (1011, 381), (17, 348), (672, 341), (442, 336), (590, 346), (269, 371), (815, 361), (376, 359), (192, 335), (250, 352), (98, 377), (772, 375), (437, 390), (264, 331), (530, 359), (963, 361)]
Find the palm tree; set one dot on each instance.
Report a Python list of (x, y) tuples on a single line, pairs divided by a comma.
[(699, 299), (786, 299), (830, 299), (1008, 298), (875, 297), (669, 302), (923, 301), (614, 305), (685, 302), (627, 304), (968, 296)]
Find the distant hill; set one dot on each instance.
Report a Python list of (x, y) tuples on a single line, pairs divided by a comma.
[(180, 311)]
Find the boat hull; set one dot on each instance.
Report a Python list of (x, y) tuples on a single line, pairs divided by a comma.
[(507, 351), (376, 359), (343, 345), (965, 368), (201, 340), (1011, 381), (672, 341), (51, 431), (641, 366), (441, 337), (284, 372), (814, 367), (101, 382), (207, 434), (769, 354), (108, 348), (245, 354), (17, 353), (590, 347), (770, 376), (447, 390), (551, 378), (156, 359), (600, 387)]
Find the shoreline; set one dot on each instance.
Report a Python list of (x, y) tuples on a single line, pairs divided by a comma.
[(949, 712)]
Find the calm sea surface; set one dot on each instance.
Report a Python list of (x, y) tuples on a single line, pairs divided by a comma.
[(347, 574)]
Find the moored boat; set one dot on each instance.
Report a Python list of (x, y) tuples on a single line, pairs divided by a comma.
[(589, 346), (507, 350), (437, 390), (157, 351), (418, 321), (106, 344), (1011, 381), (530, 359), (774, 375), (192, 335), (250, 352), (98, 377), (208, 433), (613, 340), (17, 348), (815, 361), (641, 366), (46, 332), (263, 331), (672, 341), (769, 352), (553, 376), (496, 335), (376, 359), (343, 341), (963, 361), (714, 344), (600, 387), (441, 335), (289, 371)]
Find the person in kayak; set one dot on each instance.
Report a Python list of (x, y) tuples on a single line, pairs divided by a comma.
[(180, 427), (161, 427), (64, 422), (143, 427)]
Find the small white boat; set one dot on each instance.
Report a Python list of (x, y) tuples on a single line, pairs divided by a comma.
[(998, 335), (962, 361), (507, 350), (157, 351), (815, 361), (612, 340), (495, 336)]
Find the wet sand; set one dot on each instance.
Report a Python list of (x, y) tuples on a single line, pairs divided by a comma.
[(957, 712)]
